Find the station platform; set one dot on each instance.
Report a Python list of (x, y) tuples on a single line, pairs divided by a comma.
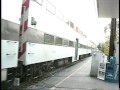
[(76, 77)]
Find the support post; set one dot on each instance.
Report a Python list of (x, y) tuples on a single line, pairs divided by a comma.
[(112, 38)]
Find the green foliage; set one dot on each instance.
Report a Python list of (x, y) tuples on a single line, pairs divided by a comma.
[(105, 48), (117, 38)]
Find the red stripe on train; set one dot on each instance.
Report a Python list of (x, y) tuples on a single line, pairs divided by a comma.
[(25, 27), (20, 33), (23, 50), (26, 4)]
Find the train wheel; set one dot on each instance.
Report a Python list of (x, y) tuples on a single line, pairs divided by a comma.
[(70, 59), (47, 66), (27, 73), (37, 71), (59, 63), (10, 77), (66, 61)]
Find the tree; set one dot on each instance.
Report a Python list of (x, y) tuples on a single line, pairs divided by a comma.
[(117, 32), (105, 46)]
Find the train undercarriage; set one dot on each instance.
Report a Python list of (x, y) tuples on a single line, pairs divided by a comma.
[(22, 73)]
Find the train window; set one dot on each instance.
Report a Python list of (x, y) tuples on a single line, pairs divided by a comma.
[(48, 39), (58, 41), (78, 45), (66, 20), (71, 43), (84, 46), (60, 15), (65, 42), (71, 24), (81, 45), (50, 7), (39, 1), (77, 29), (88, 47)]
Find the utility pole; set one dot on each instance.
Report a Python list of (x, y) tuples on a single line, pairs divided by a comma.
[(112, 38)]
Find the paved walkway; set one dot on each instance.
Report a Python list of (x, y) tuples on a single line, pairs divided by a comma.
[(76, 77)]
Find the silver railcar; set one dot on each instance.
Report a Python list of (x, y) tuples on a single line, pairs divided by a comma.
[(52, 40)]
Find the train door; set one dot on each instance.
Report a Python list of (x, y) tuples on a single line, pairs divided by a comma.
[(76, 48)]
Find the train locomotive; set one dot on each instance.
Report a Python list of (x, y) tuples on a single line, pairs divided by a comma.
[(51, 40)]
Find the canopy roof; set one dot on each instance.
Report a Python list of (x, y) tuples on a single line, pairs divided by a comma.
[(108, 8)]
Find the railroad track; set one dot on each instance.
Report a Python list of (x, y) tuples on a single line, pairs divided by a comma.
[(24, 85)]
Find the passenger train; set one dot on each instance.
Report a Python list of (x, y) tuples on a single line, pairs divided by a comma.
[(52, 40)]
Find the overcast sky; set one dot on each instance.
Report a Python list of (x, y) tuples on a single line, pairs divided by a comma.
[(84, 14)]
